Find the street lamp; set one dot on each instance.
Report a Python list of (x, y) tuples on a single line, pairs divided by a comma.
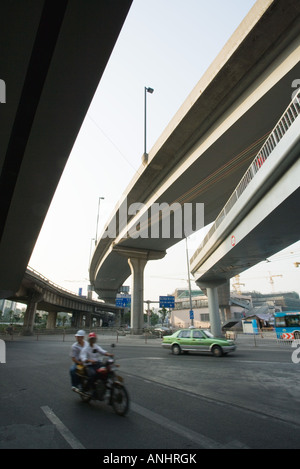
[(145, 155), (189, 281), (96, 238)]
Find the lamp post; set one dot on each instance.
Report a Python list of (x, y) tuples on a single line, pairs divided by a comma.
[(145, 155), (189, 281), (96, 238)]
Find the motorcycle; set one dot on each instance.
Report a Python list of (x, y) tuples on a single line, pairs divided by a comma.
[(106, 385)]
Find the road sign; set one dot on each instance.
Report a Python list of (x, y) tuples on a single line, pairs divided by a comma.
[(167, 301), (123, 301), (288, 336), (191, 314)]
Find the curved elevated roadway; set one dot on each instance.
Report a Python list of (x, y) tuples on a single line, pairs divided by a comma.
[(39, 293), (208, 145)]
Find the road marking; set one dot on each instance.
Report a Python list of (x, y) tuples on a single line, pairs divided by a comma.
[(150, 358), (260, 413), (63, 430), (196, 437), (263, 362)]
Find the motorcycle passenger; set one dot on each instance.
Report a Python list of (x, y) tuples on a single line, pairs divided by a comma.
[(76, 349), (90, 355)]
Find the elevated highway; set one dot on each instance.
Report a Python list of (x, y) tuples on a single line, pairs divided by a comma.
[(207, 147), (39, 293), (260, 218), (53, 54)]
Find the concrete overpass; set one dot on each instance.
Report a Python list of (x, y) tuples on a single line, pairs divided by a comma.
[(260, 218), (39, 293), (53, 54), (208, 145)]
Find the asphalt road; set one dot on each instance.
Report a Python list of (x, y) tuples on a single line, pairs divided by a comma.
[(249, 399)]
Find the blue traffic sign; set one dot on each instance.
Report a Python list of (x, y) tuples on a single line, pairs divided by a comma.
[(167, 301), (191, 314), (123, 301)]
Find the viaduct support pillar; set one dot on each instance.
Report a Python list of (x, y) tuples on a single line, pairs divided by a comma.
[(76, 319), (51, 320), (29, 316), (137, 266), (214, 314), (137, 260), (88, 320), (213, 306)]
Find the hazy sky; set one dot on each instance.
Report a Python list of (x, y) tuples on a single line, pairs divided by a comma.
[(167, 45)]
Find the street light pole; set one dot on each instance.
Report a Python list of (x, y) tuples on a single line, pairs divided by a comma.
[(189, 280), (96, 238), (145, 155)]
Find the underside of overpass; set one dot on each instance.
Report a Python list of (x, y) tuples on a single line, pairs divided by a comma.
[(53, 55), (260, 219)]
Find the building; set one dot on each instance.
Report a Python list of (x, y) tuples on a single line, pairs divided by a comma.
[(239, 306), (180, 315), (6, 306)]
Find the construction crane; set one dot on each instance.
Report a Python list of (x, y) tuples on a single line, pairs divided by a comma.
[(271, 279), (237, 284)]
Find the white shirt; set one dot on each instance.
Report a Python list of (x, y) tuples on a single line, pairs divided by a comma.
[(76, 350), (91, 353)]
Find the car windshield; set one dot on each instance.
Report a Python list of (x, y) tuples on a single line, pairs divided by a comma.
[(208, 334)]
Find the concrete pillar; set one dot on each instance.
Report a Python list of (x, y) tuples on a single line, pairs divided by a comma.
[(51, 320), (118, 318), (214, 314), (211, 288), (88, 320), (137, 266), (33, 300), (137, 259), (98, 321), (76, 320)]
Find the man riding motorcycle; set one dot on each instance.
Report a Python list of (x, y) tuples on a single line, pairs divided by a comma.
[(90, 355), (76, 349)]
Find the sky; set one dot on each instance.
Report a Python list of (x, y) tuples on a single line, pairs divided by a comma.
[(166, 45)]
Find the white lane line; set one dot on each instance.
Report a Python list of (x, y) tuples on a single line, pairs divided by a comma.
[(63, 430), (197, 438)]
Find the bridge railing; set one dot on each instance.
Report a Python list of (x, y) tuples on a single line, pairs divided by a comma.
[(42, 277), (282, 126)]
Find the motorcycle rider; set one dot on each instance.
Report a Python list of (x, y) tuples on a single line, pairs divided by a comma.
[(90, 355), (76, 348)]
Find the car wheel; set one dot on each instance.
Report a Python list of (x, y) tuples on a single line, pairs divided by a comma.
[(217, 351), (176, 350)]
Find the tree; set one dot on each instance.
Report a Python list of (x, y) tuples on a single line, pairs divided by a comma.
[(163, 312), (154, 318)]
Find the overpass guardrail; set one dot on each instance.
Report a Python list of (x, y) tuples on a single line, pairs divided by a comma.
[(40, 276)]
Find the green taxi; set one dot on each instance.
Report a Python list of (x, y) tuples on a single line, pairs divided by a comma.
[(197, 340)]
